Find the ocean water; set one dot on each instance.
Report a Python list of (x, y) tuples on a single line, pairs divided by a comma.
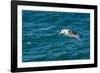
[(41, 40)]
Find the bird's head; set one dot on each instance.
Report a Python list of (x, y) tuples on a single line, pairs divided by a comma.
[(64, 31)]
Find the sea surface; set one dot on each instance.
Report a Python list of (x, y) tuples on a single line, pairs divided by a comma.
[(41, 40)]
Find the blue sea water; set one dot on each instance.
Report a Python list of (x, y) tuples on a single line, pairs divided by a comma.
[(41, 40)]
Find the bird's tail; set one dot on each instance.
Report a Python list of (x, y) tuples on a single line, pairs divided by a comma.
[(78, 37)]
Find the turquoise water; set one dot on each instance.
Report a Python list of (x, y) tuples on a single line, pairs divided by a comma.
[(41, 40)]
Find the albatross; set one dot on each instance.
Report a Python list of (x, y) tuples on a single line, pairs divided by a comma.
[(69, 33)]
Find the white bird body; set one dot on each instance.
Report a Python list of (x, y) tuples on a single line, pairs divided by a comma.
[(69, 33)]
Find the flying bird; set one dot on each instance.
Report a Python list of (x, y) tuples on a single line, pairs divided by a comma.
[(69, 33)]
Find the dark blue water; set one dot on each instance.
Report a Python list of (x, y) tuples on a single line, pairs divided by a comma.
[(41, 40)]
